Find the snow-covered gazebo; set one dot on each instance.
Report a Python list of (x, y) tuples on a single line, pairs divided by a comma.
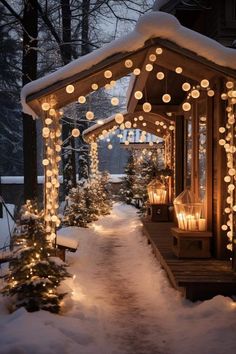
[(183, 85)]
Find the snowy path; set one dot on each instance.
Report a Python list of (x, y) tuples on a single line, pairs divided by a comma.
[(122, 303)]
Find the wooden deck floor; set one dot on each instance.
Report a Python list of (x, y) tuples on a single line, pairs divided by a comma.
[(197, 279)]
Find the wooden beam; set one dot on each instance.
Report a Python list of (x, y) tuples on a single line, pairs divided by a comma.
[(162, 108), (139, 83), (82, 81), (199, 66)]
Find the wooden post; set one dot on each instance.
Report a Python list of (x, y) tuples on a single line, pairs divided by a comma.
[(179, 154)]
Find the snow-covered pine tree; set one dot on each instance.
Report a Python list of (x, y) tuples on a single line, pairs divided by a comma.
[(104, 195), (127, 192), (34, 273), (76, 213)]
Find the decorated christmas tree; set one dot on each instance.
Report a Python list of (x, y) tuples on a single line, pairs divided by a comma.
[(34, 273), (76, 213), (127, 192)]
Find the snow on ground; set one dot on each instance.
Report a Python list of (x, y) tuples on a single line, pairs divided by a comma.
[(122, 303), (6, 225)]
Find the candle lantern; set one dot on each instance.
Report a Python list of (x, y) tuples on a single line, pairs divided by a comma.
[(157, 193), (158, 209), (189, 212)]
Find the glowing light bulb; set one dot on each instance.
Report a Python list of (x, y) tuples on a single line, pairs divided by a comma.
[(138, 95), (94, 87), (119, 118), (222, 142), (166, 98), (160, 75), (186, 86), (82, 99), (48, 121), (229, 84), (210, 93), (46, 132), (128, 63), (136, 71), (147, 107), (126, 142), (89, 115), (128, 124), (109, 146), (159, 51), (178, 70), (114, 101), (204, 83), (149, 67), (107, 74), (45, 106), (70, 89), (75, 132), (152, 57), (224, 96), (45, 162), (52, 112), (186, 106), (195, 93)]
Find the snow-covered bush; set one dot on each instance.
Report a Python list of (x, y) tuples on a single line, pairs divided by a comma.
[(86, 202), (34, 272)]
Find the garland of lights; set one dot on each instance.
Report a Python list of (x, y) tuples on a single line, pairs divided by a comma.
[(228, 141), (52, 142), (94, 160)]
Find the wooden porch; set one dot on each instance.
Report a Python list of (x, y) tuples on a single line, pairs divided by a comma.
[(196, 279)]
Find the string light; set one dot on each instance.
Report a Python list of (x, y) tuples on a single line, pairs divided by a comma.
[(45, 106), (75, 133), (94, 86), (70, 89), (178, 70), (89, 115), (166, 98), (136, 71), (186, 106), (138, 95), (107, 74), (147, 107), (128, 63), (119, 118), (204, 83), (82, 99), (160, 75), (159, 51), (186, 86), (114, 101)]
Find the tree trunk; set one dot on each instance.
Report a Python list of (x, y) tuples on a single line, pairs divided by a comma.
[(69, 165), (29, 73)]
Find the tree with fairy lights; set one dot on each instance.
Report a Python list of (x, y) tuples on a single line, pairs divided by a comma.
[(126, 191), (76, 213), (34, 273)]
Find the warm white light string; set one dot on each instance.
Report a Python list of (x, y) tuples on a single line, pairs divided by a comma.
[(228, 141)]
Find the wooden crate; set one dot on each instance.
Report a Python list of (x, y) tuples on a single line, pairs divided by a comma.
[(191, 244)]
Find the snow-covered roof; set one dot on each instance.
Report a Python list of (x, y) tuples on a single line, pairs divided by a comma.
[(152, 25)]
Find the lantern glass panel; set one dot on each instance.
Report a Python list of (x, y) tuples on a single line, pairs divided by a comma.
[(156, 192), (189, 212)]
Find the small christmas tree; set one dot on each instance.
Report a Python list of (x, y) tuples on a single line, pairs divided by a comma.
[(76, 213), (34, 274), (127, 192)]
